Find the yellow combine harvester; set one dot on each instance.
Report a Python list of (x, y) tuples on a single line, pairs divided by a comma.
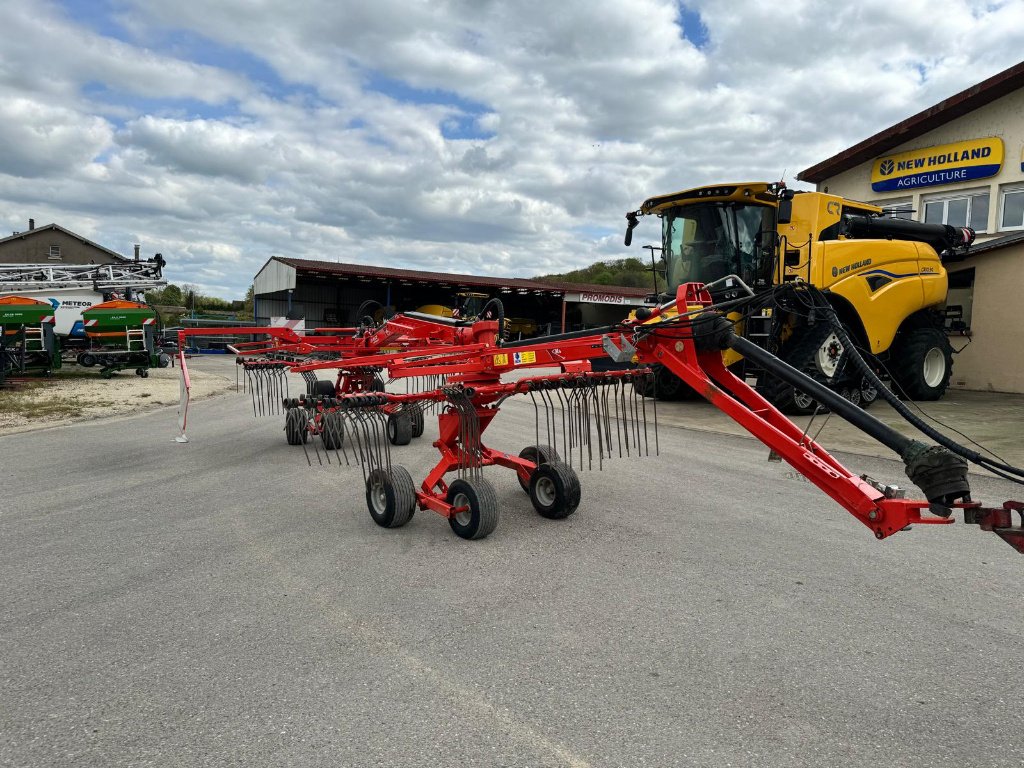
[(883, 276)]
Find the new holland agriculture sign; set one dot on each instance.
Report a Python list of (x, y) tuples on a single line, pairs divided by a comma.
[(945, 164)]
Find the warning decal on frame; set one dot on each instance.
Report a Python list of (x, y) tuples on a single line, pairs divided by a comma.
[(501, 360), (522, 358)]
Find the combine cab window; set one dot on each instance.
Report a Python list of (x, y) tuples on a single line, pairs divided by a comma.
[(706, 242)]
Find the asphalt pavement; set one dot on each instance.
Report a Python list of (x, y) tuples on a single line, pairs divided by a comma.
[(221, 602)]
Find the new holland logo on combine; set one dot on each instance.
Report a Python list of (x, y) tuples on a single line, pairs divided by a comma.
[(944, 164), (837, 271)]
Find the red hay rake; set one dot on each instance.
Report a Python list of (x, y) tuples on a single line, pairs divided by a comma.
[(582, 417)]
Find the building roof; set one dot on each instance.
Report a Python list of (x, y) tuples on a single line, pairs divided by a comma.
[(976, 96), (997, 243), (364, 270), (58, 228)]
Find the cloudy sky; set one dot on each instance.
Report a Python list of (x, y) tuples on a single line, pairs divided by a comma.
[(502, 138)]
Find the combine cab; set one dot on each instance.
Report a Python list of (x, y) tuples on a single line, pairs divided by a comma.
[(27, 341), (121, 334)]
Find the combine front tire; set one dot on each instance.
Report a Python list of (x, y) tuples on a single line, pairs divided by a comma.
[(922, 362), (477, 508), (555, 490), (391, 496)]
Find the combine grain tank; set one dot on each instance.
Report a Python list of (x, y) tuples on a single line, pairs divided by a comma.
[(121, 334), (27, 340)]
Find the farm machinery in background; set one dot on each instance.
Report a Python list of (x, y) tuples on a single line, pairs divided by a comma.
[(27, 340), (582, 418), (90, 313), (883, 277)]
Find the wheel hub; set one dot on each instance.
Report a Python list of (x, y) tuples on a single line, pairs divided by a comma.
[(379, 498), (545, 491), (465, 516), (934, 367), (829, 355)]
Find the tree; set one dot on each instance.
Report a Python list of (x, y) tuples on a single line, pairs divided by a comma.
[(248, 306)]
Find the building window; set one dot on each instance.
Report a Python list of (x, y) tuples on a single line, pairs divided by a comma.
[(54, 251), (1013, 209), (962, 211), (960, 301)]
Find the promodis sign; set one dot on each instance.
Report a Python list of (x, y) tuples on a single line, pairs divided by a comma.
[(944, 164)]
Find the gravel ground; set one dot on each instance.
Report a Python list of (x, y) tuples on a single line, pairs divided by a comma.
[(77, 394)]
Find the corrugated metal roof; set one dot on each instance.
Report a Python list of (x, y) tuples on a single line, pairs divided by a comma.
[(365, 270), (976, 96)]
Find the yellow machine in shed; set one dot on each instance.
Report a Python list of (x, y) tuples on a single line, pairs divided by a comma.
[(883, 276)]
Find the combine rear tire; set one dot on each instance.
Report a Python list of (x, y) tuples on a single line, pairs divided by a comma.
[(399, 428), (671, 387), (391, 496), (555, 490), (478, 508), (644, 385), (922, 362), (538, 454)]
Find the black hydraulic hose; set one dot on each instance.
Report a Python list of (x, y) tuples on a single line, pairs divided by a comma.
[(1005, 470), (563, 336), (501, 315), (854, 414)]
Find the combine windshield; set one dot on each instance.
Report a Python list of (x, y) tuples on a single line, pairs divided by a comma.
[(708, 241)]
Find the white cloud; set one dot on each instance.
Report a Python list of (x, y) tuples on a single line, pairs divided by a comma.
[(332, 129)]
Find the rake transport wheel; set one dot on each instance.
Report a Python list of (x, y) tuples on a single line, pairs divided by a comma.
[(324, 388), (399, 428), (922, 362), (418, 422), (478, 508), (333, 433), (538, 454), (391, 496), (555, 490), (295, 421)]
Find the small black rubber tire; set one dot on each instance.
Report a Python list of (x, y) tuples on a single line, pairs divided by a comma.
[(555, 490), (481, 517), (333, 434), (164, 360), (538, 454), (295, 421), (418, 421), (921, 362), (399, 428), (324, 388), (391, 496), (87, 360)]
